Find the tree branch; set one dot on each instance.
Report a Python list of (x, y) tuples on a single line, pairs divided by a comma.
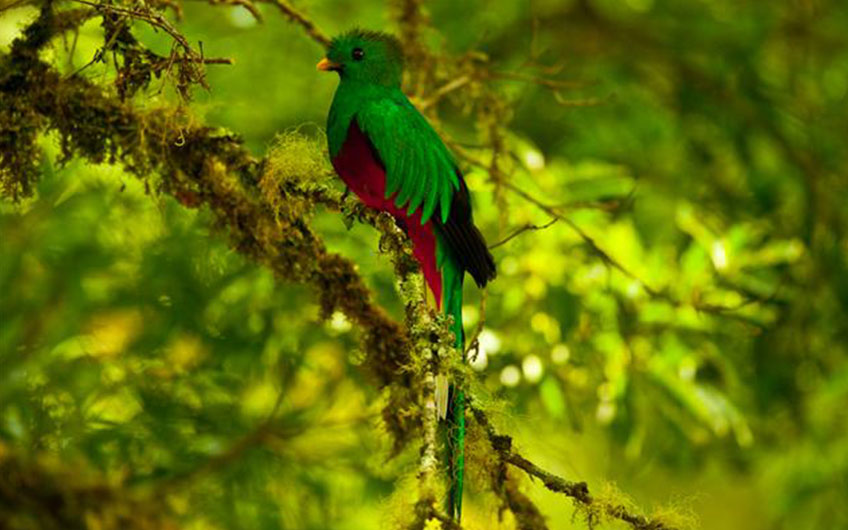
[(577, 491)]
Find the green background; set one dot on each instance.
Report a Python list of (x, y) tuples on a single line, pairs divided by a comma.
[(702, 147)]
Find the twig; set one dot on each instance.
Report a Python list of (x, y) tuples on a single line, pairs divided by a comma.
[(525, 228), (157, 21), (474, 342), (247, 4), (555, 84), (589, 102), (152, 18), (218, 60), (300, 19), (575, 490), (98, 55), (444, 90)]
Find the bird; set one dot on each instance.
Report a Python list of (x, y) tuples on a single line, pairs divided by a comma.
[(389, 156)]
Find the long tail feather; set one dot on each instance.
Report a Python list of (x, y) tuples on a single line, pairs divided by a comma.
[(456, 453), (455, 433)]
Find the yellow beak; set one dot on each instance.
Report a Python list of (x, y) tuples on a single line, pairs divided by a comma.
[(326, 65)]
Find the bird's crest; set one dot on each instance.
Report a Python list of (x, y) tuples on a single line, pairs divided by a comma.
[(391, 42)]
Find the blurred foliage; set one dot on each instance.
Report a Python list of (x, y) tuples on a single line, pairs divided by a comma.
[(679, 329)]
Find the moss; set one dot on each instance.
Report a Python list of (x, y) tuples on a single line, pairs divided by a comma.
[(19, 154), (676, 516), (605, 505), (481, 460), (296, 158), (295, 161)]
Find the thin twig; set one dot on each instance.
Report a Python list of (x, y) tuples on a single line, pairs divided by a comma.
[(474, 342), (152, 18), (588, 102), (525, 228), (300, 19), (555, 84), (158, 21), (444, 90)]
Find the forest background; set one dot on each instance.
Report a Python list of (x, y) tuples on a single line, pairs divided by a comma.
[(197, 330)]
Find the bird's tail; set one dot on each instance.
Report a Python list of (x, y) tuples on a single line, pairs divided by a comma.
[(455, 431)]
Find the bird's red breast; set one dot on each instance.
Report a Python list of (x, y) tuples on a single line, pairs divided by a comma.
[(365, 176)]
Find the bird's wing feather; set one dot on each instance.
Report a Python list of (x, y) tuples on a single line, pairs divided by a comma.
[(422, 173), (419, 168)]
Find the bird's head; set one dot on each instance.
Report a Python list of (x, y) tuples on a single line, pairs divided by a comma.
[(365, 56)]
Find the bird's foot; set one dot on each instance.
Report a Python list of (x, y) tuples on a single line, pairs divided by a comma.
[(352, 211)]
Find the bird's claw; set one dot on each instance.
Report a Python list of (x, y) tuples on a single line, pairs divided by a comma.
[(347, 217), (352, 212)]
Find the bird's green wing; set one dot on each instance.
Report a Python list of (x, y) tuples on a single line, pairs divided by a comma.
[(419, 168)]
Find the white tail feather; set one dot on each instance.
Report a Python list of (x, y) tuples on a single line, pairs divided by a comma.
[(442, 390)]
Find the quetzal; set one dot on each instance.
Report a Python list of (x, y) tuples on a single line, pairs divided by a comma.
[(392, 159)]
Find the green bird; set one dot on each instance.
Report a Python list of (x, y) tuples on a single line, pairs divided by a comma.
[(391, 158)]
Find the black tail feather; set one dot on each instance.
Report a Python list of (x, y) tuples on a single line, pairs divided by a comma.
[(465, 240)]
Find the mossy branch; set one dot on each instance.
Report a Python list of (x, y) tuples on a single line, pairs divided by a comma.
[(593, 510)]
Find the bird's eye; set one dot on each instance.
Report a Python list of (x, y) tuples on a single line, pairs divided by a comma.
[(358, 54)]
